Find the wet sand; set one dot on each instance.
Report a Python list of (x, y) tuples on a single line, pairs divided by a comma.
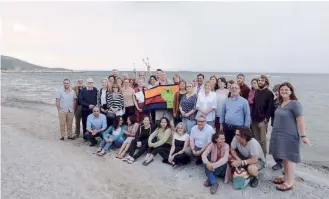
[(36, 164)]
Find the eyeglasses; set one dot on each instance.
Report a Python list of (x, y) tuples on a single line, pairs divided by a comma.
[(201, 121)]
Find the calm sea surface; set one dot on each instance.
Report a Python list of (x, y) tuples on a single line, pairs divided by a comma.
[(311, 90)]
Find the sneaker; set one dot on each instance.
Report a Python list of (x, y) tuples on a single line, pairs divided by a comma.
[(62, 138), (277, 166), (213, 188), (254, 182), (131, 160), (125, 159)]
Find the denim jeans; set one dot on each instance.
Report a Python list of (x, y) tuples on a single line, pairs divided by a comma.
[(106, 145), (188, 124), (220, 172)]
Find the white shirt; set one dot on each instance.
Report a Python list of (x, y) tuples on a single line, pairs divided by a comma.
[(221, 96), (201, 137), (205, 102), (103, 97), (116, 131)]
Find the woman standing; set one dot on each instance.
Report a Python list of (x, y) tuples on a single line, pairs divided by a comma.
[(288, 129), (278, 161), (152, 81), (254, 87), (159, 141), (139, 101), (206, 104), (119, 82), (129, 99), (214, 82), (176, 79), (141, 141), (113, 135), (187, 107), (179, 146), (221, 96), (177, 99), (115, 99)]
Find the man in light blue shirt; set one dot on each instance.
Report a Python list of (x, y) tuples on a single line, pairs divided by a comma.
[(96, 124), (235, 113)]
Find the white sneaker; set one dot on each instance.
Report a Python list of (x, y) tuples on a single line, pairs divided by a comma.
[(131, 160), (125, 159), (147, 156)]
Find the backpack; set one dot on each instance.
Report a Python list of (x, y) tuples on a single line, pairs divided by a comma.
[(241, 178)]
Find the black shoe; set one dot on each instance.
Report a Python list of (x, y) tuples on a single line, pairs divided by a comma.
[(198, 162), (277, 166), (254, 182), (71, 138), (165, 161), (62, 138), (213, 188), (92, 144), (85, 139)]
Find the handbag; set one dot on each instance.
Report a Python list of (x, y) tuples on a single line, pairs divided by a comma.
[(111, 115)]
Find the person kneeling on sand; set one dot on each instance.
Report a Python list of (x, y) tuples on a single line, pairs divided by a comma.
[(159, 141), (130, 133), (247, 153), (140, 142), (96, 124), (113, 135), (179, 147), (216, 162), (200, 138)]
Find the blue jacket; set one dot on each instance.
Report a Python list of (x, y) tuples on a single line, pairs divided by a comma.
[(109, 133)]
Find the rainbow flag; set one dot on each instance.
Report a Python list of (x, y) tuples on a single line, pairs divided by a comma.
[(160, 97)]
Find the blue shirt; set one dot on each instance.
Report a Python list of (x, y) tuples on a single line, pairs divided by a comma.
[(236, 112), (96, 123)]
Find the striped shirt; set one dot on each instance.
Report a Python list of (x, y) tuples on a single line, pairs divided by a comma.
[(116, 100)]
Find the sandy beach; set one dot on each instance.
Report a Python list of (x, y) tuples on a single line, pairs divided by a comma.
[(36, 164)]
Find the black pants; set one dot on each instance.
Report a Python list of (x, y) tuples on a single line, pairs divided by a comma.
[(277, 160), (92, 138), (84, 115), (130, 110), (162, 150), (177, 120), (181, 159), (141, 150), (229, 132)]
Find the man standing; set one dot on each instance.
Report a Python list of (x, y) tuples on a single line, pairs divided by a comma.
[(244, 89), (262, 111), (96, 124), (87, 99), (158, 72), (115, 73), (66, 103), (77, 112), (200, 138), (199, 87), (235, 113)]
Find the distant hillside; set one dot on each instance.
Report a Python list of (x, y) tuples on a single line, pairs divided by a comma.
[(11, 63)]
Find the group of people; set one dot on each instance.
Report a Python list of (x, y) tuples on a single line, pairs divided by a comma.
[(221, 124)]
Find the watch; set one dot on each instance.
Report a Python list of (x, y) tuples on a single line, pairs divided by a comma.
[(303, 136)]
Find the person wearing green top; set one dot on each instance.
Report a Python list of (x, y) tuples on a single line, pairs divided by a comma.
[(113, 135), (159, 142)]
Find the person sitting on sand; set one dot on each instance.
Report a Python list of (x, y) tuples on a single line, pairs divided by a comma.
[(140, 142), (200, 138), (159, 141), (247, 153), (217, 164), (113, 135), (96, 124), (130, 134), (180, 144)]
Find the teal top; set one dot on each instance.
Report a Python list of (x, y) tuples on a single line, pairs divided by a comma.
[(109, 133)]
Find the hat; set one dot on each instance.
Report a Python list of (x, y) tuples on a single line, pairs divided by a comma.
[(89, 80), (240, 74)]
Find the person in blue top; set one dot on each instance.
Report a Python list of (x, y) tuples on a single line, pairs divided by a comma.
[(96, 124), (113, 135), (235, 113)]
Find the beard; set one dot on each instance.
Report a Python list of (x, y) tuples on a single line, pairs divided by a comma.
[(261, 86)]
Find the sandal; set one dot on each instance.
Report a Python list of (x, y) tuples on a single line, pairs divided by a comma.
[(284, 187), (278, 180), (101, 153)]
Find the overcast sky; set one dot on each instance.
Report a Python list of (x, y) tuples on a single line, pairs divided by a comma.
[(194, 36)]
